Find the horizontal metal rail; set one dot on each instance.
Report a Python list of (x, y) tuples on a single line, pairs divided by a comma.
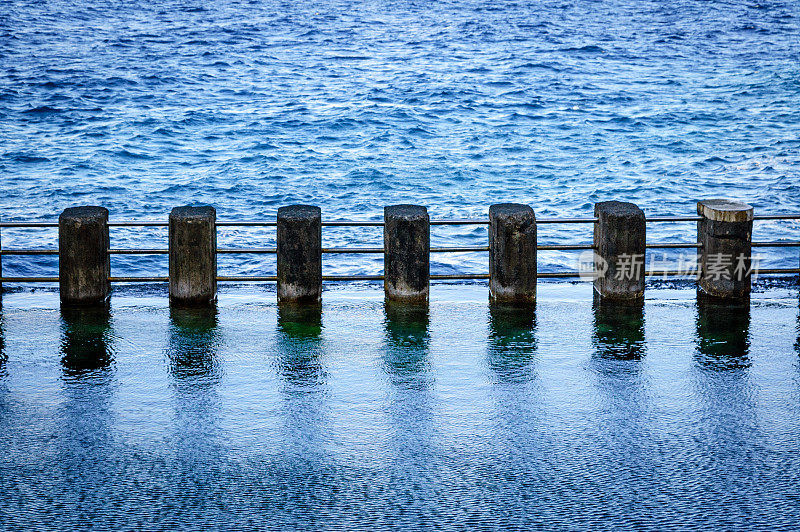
[(28, 251), (454, 249), (377, 223), (28, 224), (378, 250), (446, 277), (776, 217), (676, 245), (778, 244)]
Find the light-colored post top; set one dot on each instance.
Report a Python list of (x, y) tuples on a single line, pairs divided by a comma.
[(510, 210), (406, 212), (189, 212), (723, 210)]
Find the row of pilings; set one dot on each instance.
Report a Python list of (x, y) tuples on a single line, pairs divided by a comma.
[(724, 234)]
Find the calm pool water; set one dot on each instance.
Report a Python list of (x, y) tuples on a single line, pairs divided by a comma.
[(354, 415)]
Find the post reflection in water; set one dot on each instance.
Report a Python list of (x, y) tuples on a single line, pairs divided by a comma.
[(86, 417), (299, 339), (304, 402), (797, 342), (3, 355), (410, 404), (193, 343), (195, 373), (723, 334), (618, 343), (618, 330), (621, 401), (512, 341), (86, 341), (517, 413), (730, 433), (407, 341)]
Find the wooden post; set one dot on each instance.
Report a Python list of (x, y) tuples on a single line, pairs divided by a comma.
[(619, 241), (406, 259), (512, 253), (192, 256), (84, 265), (724, 233), (299, 254)]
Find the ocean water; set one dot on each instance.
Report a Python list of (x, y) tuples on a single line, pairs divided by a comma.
[(353, 105), (356, 416)]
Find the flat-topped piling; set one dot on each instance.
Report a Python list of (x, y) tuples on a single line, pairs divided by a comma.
[(619, 242), (724, 236), (512, 253), (406, 259), (192, 256), (299, 254), (84, 265)]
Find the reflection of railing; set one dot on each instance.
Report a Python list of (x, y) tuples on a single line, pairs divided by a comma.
[(380, 250)]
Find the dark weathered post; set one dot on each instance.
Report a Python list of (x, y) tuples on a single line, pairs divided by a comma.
[(512, 253), (192, 256), (724, 233), (84, 265), (299, 254), (406, 258), (619, 241)]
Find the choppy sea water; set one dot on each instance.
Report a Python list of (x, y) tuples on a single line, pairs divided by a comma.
[(357, 416), (142, 106)]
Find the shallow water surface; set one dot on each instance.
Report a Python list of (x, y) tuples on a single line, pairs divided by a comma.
[(357, 415)]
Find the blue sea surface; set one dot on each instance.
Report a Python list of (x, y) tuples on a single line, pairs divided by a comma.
[(353, 105)]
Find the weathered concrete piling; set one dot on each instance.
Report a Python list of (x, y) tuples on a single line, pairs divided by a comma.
[(512, 253), (192, 256), (724, 234), (406, 259), (299, 254), (84, 265), (619, 241), (724, 241)]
